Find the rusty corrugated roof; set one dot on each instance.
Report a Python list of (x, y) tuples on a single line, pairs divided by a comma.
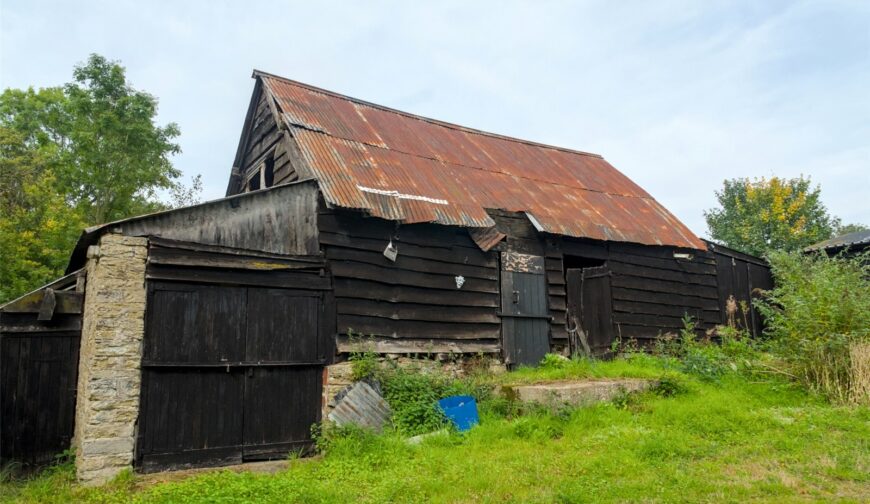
[(404, 167)]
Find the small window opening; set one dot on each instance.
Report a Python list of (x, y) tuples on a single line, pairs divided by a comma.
[(269, 171), (254, 182)]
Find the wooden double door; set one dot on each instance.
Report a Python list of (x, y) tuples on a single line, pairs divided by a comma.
[(229, 373)]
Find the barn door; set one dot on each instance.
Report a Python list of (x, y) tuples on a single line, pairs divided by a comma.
[(282, 388), (590, 309), (229, 374), (524, 309)]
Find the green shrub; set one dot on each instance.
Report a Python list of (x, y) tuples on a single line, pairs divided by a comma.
[(670, 385), (553, 361), (819, 309)]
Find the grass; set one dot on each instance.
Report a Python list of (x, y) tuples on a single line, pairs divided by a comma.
[(731, 440)]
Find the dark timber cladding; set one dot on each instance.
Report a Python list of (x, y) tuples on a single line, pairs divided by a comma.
[(39, 354), (414, 303), (233, 354), (742, 277), (651, 289)]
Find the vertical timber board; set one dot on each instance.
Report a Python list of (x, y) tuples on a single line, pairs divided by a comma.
[(37, 395), (524, 309), (597, 308), (250, 389)]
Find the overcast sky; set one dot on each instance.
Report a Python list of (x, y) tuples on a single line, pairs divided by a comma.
[(677, 95)]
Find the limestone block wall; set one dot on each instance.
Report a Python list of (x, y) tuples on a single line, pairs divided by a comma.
[(113, 325)]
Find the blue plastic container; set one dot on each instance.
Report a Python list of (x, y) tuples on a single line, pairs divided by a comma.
[(461, 411)]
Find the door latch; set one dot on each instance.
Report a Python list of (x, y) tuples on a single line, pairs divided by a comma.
[(516, 297)]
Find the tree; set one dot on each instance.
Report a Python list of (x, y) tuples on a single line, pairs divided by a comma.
[(849, 228), (76, 155), (760, 215)]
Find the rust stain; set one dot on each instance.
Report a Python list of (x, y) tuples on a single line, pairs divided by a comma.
[(408, 168)]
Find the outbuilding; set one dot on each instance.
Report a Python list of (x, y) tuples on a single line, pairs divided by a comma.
[(207, 335)]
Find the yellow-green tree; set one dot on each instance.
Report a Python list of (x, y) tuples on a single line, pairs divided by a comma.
[(759, 215), (74, 156)]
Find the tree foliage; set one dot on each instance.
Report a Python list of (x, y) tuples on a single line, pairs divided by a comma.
[(80, 154), (760, 215), (850, 228)]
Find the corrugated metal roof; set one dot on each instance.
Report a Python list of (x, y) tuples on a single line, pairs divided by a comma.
[(403, 167), (846, 240)]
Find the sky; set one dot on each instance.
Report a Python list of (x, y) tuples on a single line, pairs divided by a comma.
[(678, 95)]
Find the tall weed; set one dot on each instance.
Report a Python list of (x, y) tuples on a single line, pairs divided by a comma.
[(819, 310)]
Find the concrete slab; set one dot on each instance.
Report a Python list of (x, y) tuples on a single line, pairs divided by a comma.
[(575, 393)]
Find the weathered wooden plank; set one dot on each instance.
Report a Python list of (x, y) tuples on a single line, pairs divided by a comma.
[(160, 245), (557, 303), (427, 235), (415, 311), (556, 290), (664, 298), (362, 289), (411, 263), (64, 324), (553, 264), (278, 221), (287, 280), (555, 278), (514, 225), (211, 260), (415, 346), (667, 322), (393, 276), (461, 255), (664, 252), (46, 308), (704, 268), (651, 285), (66, 302), (362, 325), (558, 331), (653, 308), (660, 274)]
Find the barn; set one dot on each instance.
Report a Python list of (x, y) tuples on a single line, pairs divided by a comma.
[(209, 335)]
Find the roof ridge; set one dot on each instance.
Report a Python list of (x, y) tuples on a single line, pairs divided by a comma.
[(445, 124)]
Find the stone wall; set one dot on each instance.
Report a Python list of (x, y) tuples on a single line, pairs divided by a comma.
[(113, 324)]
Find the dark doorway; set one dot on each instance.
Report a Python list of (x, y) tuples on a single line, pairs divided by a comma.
[(229, 374), (524, 309), (590, 310)]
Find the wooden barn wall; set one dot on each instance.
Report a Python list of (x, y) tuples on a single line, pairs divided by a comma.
[(651, 290), (263, 139), (279, 221), (743, 277), (412, 304), (39, 355)]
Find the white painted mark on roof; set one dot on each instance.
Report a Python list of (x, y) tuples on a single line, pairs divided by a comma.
[(397, 194)]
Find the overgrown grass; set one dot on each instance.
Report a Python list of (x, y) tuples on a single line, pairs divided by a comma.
[(732, 439)]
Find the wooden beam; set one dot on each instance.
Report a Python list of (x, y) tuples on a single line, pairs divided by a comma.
[(46, 308)]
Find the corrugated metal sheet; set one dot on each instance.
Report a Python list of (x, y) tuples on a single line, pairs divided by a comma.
[(408, 168), (362, 405), (846, 240)]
